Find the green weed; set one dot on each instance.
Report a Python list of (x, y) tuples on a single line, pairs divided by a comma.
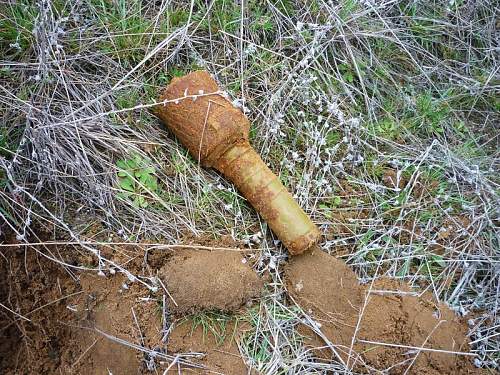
[(136, 180), (387, 128), (347, 72), (128, 98), (330, 205), (430, 115)]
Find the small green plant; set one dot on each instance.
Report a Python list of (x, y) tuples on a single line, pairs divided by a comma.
[(136, 180), (374, 167), (333, 137), (9, 140), (347, 72), (214, 323), (432, 265), (178, 17), (386, 128), (430, 114), (331, 205)]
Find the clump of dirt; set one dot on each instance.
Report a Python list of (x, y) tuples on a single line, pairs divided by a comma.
[(220, 348), (329, 290), (209, 280), (79, 322)]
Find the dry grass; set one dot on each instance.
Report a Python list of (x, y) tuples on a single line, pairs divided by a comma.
[(381, 118)]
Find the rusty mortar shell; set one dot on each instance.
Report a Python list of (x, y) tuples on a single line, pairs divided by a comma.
[(216, 134)]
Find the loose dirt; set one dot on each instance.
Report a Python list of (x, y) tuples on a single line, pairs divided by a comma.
[(37, 289), (222, 354), (126, 314), (76, 319), (329, 290), (209, 280), (65, 309)]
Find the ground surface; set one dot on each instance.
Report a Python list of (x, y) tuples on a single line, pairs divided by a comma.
[(391, 314), (85, 323), (78, 323), (380, 117)]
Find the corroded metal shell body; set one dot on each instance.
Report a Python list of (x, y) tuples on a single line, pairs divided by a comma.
[(206, 124), (216, 134), (264, 190)]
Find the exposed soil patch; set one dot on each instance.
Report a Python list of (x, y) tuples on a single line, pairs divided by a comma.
[(37, 289), (329, 290), (221, 355), (65, 309), (392, 179), (209, 280), (76, 319), (127, 314), (70, 313)]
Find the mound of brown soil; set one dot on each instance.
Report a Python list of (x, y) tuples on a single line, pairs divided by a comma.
[(329, 290), (76, 319), (209, 280)]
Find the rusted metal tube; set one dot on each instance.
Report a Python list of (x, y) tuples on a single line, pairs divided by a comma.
[(216, 134)]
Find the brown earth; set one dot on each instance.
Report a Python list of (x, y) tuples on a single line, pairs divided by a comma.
[(105, 306), (37, 289), (209, 280), (222, 355), (326, 288), (391, 179), (76, 319)]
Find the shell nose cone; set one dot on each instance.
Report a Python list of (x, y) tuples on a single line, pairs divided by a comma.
[(200, 117)]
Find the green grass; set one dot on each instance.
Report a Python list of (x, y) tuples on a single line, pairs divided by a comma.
[(258, 343), (224, 16), (127, 29), (9, 141), (16, 27), (212, 323)]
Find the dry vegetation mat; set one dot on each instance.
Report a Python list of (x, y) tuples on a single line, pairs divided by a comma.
[(380, 118)]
